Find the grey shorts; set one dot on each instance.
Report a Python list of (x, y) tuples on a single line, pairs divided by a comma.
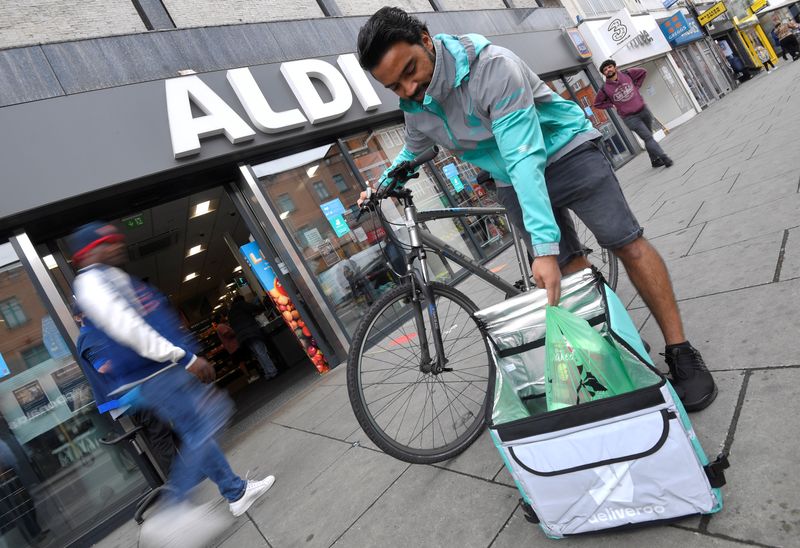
[(584, 182)]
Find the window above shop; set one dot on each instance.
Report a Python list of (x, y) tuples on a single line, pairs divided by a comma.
[(321, 190), (35, 355), (12, 313), (341, 184), (285, 203)]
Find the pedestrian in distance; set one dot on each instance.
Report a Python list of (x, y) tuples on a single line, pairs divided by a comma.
[(248, 332), (150, 352), (784, 31), (227, 336), (621, 91), (763, 56), (485, 105), (776, 44)]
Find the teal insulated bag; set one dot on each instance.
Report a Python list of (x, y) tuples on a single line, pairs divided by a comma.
[(592, 433)]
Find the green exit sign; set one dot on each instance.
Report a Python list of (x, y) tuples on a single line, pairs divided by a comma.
[(134, 222)]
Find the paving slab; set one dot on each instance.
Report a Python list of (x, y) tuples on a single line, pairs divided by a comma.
[(335, 398), (244, 536), (725, 204), (741, 329), (745, 225), (761, 498), (341, 422), (306, 402), (317, 514), (295, 458), (429, 506), (481, 459), (674, 198), (790, 267), (125, 536), (676, 244), (520, 532), (752, 182), (672, 221), (736, 266)]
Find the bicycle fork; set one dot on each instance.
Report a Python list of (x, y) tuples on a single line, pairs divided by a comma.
[(427, 364)]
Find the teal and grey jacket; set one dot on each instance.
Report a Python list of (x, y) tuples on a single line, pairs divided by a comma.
[(489, 108)]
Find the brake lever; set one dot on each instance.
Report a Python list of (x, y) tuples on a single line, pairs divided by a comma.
[(366, 206)]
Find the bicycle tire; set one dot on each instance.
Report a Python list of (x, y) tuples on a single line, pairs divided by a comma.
[(602, 258), (470, 412)]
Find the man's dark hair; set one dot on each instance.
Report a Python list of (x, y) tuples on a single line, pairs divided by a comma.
[(385, 28), (607, 63)]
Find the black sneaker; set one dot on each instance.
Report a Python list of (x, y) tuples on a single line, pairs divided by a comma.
[(667, 161), (658, 162), (693, 383)]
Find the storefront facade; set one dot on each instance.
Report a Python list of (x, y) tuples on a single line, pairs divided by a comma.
[(700, 63), (234, 181), (665, 90)]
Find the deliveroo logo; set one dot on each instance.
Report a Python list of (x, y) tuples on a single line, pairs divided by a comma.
[(617, 487), (617, 484)]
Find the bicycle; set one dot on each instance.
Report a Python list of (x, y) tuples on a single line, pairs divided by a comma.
[(419, 366)]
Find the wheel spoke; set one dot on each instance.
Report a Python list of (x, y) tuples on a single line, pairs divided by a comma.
[(417, 416)]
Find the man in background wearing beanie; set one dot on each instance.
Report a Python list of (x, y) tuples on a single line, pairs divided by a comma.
[(147, 349), (621, 91)]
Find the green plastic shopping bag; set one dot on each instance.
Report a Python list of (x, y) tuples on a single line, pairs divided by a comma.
[(580, 364)]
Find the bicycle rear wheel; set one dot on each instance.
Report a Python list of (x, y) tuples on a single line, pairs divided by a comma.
[(414, 416), (603, 259)]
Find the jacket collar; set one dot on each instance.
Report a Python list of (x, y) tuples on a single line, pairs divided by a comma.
[(454, 58)]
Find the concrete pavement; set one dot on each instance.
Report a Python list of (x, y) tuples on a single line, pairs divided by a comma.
[(726, 217)]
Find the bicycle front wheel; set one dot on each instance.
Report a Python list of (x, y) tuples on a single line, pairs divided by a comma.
[(415, 416)]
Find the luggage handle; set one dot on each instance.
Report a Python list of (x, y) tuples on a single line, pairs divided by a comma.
[(666, 415)]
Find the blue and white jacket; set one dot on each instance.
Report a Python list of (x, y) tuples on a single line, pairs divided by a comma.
[(489, 108), (144, 334)]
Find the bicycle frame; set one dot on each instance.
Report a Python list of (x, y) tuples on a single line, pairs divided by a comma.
[(419, 240)]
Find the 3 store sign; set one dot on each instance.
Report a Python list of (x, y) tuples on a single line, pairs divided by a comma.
[(186, 130)]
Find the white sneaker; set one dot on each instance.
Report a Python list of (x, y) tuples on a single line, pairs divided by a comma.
[(253, 490), (183, 526)]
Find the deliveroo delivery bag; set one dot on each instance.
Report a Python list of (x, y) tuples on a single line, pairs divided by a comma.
[(618, 450)]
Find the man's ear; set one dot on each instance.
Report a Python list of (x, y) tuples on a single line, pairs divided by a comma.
[(427, 41)]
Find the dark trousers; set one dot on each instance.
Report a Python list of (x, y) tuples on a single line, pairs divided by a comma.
[(159, 438), (768, 64), (789, 44), (641, 123)]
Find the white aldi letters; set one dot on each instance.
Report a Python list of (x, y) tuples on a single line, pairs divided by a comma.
[(186, 130)]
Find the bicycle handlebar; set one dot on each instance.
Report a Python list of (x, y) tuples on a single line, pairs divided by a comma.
[(399, 174)]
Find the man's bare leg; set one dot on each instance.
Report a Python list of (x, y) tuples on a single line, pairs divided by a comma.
[(576, 264), (648, 273)]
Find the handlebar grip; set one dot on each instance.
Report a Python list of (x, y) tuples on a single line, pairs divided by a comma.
[(426, 156), (403, 171)]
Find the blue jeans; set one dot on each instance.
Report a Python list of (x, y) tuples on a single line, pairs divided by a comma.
[(259, 348), (195, 412)]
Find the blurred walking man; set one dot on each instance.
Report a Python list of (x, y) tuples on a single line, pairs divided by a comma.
[(150, 352)]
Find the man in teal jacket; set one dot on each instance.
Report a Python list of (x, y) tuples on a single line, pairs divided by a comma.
[(487, 107)]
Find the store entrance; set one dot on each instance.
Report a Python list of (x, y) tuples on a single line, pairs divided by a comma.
[(200, 253)]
